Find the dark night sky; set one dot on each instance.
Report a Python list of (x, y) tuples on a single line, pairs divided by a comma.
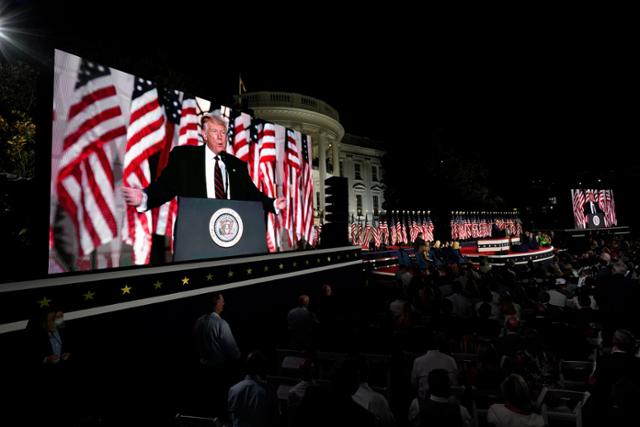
[(564, 93)]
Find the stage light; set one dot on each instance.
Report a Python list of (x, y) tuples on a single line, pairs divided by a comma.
[(15, 34)]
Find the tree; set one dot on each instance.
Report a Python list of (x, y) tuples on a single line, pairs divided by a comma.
[(17, 128), (17, 163)]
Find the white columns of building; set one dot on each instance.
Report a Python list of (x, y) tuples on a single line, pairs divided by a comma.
[(322, 166), (336, 158)]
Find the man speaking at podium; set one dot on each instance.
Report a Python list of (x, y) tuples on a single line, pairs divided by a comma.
[(206, 171)]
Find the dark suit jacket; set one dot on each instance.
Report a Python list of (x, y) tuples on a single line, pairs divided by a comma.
[(185, 176), (595, 205)]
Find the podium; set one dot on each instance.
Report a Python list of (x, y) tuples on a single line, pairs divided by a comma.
[(595, 220), (217, 228)]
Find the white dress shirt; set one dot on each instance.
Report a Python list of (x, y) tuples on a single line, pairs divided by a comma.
[(375, 403), (209, 171), (426, 363)]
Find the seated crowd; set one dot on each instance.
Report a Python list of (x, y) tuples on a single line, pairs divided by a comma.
[(450, 344)]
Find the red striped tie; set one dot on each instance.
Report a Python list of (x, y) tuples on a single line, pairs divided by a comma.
[(218, 181)]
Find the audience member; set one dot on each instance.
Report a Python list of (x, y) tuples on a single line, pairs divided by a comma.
[(218, 355), (434, 358), (253, 402), (334, 406), (438, 409), (516, 411), (302, 324), (371, 400)]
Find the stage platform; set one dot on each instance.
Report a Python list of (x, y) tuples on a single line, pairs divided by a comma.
[(501, 258), (584, 232), (386, 262), (84, 295)]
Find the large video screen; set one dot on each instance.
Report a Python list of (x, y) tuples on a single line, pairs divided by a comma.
[(112, 130), (593, 208)]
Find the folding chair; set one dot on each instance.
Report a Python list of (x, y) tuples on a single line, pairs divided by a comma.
[(289, 362), (574, 375), (562, 405)]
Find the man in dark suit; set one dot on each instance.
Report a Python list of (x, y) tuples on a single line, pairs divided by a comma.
[(206, 171), (592, 208)]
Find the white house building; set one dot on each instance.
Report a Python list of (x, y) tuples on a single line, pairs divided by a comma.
[(334, 152)]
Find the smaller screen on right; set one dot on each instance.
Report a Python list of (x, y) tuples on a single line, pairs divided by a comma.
[(593, 208)]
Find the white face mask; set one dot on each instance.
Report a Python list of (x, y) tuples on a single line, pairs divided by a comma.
[(59, 323)]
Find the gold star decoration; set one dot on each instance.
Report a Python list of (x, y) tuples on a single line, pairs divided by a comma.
[(266, 268), (328, 259), (209, 277), (157, 285), (294, 264), (185, 281), (249, 271), (347, 256), (338, 257), (280, 266), (306, 262), (44, 302), (318, 260), (89, 295), (230, 273), (126, 290)]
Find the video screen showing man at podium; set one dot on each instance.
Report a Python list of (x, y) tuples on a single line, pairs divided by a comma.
[(593, 208), (120, 138)]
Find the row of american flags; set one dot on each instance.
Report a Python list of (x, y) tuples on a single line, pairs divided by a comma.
[(477, 225), (256, 142), (603, 198), (159, 119), (396, 228)]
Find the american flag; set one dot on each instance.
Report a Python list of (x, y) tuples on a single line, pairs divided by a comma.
[(578, 200), (145, 136), (399, 234), (384, 231), (392, 231), (291, 187), (405, 236), (376, 232), (353, 228), (231, 130), (365, 236), (164, 216), (85, 181), (253, 153), (267, 182), (414, 230), (306, 192), (239, 125), (170, 102), (611, 208), (176, 114), (189, 133)]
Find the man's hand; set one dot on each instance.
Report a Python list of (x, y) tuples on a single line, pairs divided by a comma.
[(132, 196), (281, 203)]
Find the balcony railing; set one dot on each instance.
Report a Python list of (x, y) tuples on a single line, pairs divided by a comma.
[(287, 99)]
